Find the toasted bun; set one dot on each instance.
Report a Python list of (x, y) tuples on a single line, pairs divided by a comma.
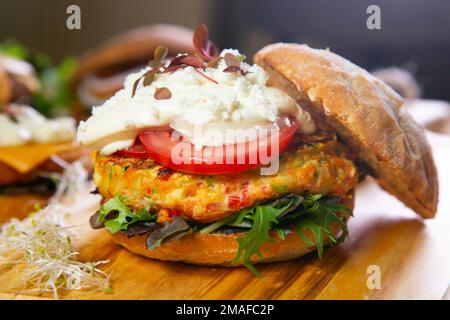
[(365, 112), (221, 249), (217, 249)]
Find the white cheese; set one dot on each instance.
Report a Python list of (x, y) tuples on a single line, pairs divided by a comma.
[(11, 134), (30, 126), (234, 99)]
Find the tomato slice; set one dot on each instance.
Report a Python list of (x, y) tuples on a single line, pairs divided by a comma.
[(137, 150), (182, 156)]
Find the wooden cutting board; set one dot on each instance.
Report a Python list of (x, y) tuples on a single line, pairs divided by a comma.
[(411, 255), (19, 206)]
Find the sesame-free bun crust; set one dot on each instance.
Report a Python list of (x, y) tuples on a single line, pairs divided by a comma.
[(365, 112), (216, 249), (220, 249)]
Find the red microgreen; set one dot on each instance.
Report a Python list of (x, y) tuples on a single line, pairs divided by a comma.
[(162, 93), (207, 56), (231, 60), (214, 63), (176, 61), (205, 76), (241, 57), (135, 84), (160, 53), (201, 43), (233, 63), (172, 68), (149, 76), (148, 79), (231, 69), (186, 60), (193, 62)]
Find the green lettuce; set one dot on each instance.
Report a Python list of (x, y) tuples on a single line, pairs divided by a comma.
[(116, 215), (308, 212), (291, 213)]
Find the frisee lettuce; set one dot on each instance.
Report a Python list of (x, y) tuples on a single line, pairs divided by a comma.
[(251, 242), (294, 212), (319, 214), (116, 215), (310, 212)]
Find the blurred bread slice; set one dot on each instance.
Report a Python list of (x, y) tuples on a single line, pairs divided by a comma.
[(102, 70)]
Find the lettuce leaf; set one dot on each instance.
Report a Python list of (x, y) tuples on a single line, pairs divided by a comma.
[(292, 213), (309, 212), (116, 215), (167, 230), (251, 242)]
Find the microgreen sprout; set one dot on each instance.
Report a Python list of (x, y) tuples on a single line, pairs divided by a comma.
[(42, 245)]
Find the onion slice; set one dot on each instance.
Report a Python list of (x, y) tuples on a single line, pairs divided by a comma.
[(220, 133)]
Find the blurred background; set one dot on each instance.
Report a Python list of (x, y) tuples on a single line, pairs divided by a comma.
[(414, 35)]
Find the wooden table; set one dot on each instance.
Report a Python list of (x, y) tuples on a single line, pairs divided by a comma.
[(413, 257)]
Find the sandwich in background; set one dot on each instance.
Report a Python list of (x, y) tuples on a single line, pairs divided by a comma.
[(33, 152), (33, 148)]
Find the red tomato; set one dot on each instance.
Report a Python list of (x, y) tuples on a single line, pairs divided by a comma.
[(234, 202), (182, 156), (137, 150)]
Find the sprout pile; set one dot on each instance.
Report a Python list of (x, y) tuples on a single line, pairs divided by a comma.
[(42, 245)]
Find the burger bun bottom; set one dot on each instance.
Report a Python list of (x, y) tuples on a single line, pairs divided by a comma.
[(218, 249)]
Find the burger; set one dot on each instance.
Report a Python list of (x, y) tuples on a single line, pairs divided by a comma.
[(208, 160), (34, 150)]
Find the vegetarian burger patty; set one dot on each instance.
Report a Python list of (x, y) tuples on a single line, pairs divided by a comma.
[(312, 164)]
